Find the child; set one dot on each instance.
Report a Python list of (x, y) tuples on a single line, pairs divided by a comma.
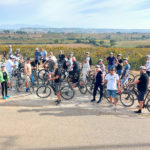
[(4, 80)]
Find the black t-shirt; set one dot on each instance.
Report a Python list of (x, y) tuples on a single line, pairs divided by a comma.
[(76, 67), (143, 84), (5, 76), (57, 73), (119, 67), (111, 60), (99, 77), (61, 57)]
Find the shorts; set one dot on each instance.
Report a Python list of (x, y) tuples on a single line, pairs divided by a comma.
[(110, 66), (124, 81), (37, 62), (148, 73), (27, 79), (141, 95), (112, 93), (119, 72), (57, 87)]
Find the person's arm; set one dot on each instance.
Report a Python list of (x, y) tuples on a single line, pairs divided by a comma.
[(54, 78), (135, 82), (103, 80), (118, 84)]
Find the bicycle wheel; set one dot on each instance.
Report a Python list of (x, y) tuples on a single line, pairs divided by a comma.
[(82, 87), (19, 85), (148, 105), (43, 91), (67, 92), (131, 78), (90, 87), (41, 74), (127, 99)]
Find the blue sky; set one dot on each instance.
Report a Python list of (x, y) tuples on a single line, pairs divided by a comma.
[(127, 14)]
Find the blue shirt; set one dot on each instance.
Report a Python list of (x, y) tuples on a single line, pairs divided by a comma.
[(37, 55), (111, 60), (43, 54), (127, 67)]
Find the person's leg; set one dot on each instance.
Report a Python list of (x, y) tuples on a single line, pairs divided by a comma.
[(114, 95), (109, 93), (2, 85), (58, 96), (94, 92), (101, 93), (6, 94)]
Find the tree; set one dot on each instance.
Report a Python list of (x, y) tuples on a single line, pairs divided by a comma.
[(78, 41), (112, 43), (56, 41), (6, 31), (102, 43)]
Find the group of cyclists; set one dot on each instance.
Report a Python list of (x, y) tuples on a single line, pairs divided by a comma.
[(115, 76)]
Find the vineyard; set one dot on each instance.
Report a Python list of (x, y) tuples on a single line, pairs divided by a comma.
[(136, 56)]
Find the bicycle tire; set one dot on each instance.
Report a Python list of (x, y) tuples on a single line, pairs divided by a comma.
[(44, 91), (67, 91), (127, 99), (82, 87), (148, 105)]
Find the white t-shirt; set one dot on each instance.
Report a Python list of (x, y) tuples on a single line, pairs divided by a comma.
[(9, 65), (54, 59), (112, 81), (148, 65), (86, 68)]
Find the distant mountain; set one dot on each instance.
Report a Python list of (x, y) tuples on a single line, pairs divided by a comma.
[(41, 28)]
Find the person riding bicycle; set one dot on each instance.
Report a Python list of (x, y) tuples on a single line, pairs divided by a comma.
[(142, 86), (119, 65), (28, 72), (102, 66), (99, 83), (125, 74), (111, 61), (56, 77), (148, 67)]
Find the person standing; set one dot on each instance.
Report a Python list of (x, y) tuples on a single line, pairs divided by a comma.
[(111, 61), (53, 57), (37, 55), (113, 85), (61, 57), (10, 50), (89, 59), (125, 74), (119, 65), (27, 71), (98, 84), (4, 78), (148, 67), (57, 82), (9, 67), (102, 66), (142, 86), (43, 55), (85, 69)]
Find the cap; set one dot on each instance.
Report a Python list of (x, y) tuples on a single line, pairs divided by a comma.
[(71, 53), (100, 60), (125, 59), (28, 58), (12, 57), (111, 53), (112, 69), (97, 66), (119, 55), (36, 49), (87, 52), (143, 68)]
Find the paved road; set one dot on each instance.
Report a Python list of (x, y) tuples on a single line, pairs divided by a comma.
[(30, 123)]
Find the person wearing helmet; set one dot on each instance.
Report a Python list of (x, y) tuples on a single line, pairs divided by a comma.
[(148, 67), (142, 86), (102, 66), (4, 78), (111, 61), (119, 65), (98, 84)]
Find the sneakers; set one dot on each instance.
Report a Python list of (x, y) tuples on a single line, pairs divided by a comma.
[(93, 100), (138, 112), (58, 102), (27, 89), (8, 96), (99, 101), (4, 97)]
